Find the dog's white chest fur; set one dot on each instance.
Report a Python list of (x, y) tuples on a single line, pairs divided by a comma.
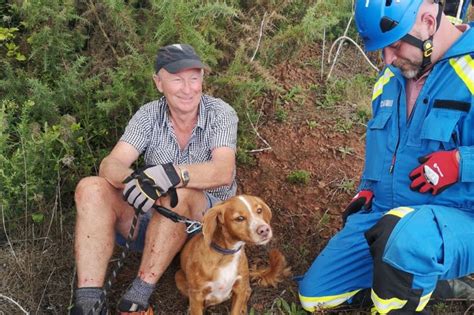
[(221, 288)]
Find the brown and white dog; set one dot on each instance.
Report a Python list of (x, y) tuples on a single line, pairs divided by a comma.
[(214, 266)]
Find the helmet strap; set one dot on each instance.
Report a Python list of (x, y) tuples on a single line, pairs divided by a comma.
[(426, 46)]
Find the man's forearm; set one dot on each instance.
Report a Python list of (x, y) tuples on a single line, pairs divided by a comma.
[(208, 175), (114, 171)]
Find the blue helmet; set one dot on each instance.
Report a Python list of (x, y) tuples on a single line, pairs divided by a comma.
[(382, 22)]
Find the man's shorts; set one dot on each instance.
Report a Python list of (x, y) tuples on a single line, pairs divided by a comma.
[(138, 244)]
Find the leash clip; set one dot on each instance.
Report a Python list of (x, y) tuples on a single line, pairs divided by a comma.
[(192, 226)]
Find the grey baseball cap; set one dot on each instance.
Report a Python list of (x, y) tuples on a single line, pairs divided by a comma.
[(177, 57)]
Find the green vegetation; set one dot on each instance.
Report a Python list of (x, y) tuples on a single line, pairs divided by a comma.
[(347, 186), (73, 72), (300, 177), (281, 114)]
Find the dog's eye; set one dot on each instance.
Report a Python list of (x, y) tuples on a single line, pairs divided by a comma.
[(239, 219), (259, 210)]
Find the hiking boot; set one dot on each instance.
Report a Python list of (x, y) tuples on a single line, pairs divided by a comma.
[(462, 288), (126, 307)]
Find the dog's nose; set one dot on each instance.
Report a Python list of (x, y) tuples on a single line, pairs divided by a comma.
[(263, 230)]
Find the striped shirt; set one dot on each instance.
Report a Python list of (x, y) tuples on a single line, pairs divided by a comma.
[(151, 132)]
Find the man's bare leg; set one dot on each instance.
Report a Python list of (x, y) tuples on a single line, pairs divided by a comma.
[(100, 209), (164, 239)]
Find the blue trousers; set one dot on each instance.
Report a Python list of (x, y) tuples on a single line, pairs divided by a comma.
[(400, 255)]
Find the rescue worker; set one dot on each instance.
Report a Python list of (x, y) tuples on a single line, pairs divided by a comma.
[(411, 223)]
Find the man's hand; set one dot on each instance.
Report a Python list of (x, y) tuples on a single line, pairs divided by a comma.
[(363, 199), (144, 186), (437, 171)]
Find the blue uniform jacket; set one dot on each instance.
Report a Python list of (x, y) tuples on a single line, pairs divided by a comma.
[(442, 119)]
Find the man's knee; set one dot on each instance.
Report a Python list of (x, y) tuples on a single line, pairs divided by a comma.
[(395, 287), (191, 202), (90, 189)]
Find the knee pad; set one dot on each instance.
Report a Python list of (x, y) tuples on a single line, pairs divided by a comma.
[(393, 288)]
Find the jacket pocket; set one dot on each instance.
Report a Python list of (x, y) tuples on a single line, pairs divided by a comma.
[(377, 145), (440, 130)]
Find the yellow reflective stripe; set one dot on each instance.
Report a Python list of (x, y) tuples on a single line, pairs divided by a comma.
[(314, 303), (464, 67), (423, 301), (384, 306), (400, 211), (384, 79)]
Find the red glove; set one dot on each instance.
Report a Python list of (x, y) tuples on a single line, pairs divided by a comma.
[(363, 199), (438, 171)]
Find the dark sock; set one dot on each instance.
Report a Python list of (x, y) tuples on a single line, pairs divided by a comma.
[(139, 292), (85, 298)]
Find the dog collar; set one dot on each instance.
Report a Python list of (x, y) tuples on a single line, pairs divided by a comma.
[(224, 251)]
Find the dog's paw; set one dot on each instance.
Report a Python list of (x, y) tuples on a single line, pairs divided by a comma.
[(275, 273)]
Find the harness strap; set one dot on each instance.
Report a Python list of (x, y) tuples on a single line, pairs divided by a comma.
[(426, 46)]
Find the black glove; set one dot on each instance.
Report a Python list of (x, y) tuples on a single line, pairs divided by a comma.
[(144, 186), (362, 199)]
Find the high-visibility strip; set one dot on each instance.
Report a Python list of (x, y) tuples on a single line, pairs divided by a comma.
[(312, 304), (464, 67), (384, 306), (423, 301), (400, 211), (384, 79)]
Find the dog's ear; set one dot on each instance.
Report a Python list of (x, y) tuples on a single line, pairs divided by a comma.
[(210, 222)]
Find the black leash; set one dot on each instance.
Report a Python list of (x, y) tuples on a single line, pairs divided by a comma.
[(192, 227), (113, 275)]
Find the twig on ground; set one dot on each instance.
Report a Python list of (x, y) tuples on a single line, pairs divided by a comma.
[(268, 148), (60, 207), (25, 190), (72, 285), (52, 216), (259, 37), (44, 290), (275, 300), (33, 239), (322, 54), (8, 240), (468, 309), (14, 302)]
